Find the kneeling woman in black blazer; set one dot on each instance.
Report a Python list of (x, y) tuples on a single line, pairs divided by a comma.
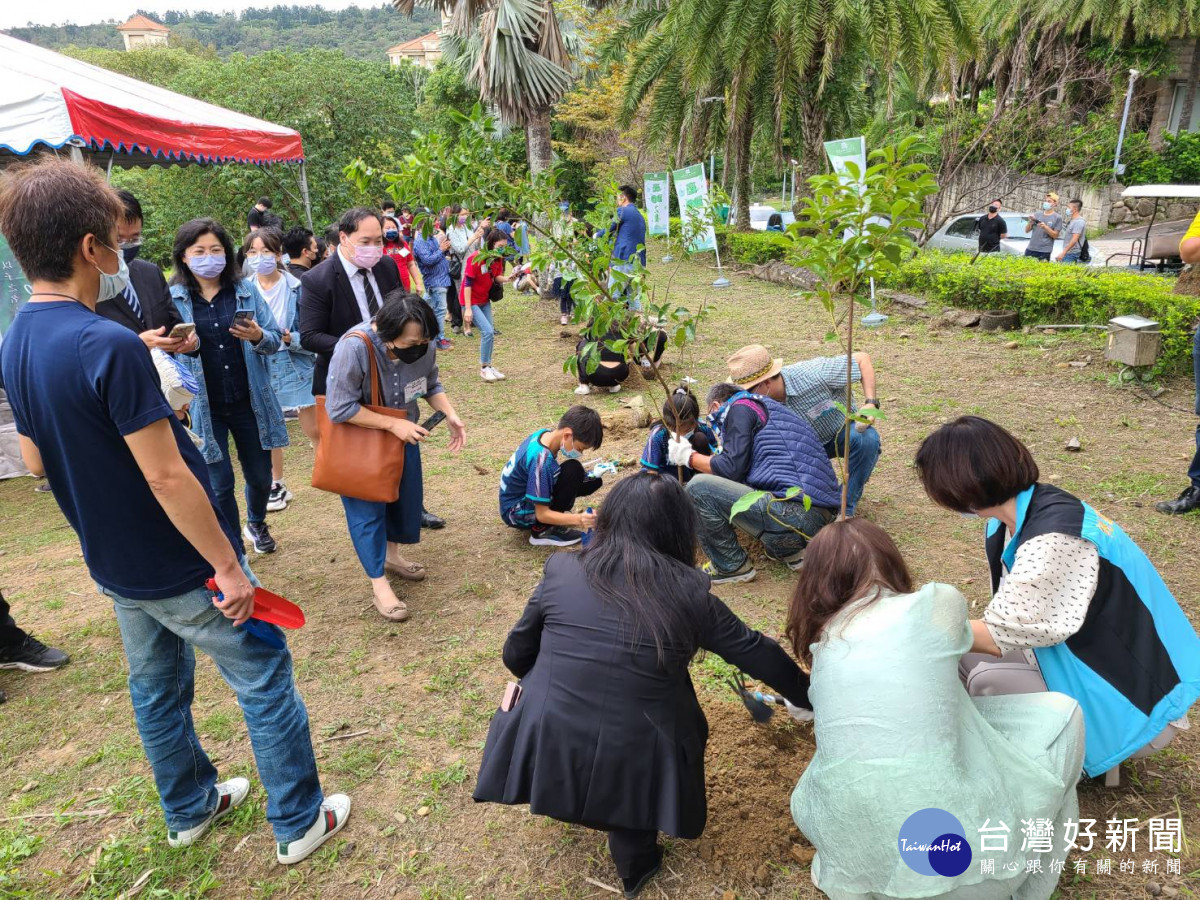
[(607, 732)]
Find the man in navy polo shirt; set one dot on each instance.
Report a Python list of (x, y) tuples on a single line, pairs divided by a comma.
[(91, 417)]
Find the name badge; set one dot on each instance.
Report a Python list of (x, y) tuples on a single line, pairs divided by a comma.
[(414, 390), (820, 409)]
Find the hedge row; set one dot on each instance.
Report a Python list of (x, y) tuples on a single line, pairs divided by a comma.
[(746, 247), (1054, 292)]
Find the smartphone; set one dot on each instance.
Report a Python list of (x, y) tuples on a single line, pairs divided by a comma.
[(242, 318), (512, 693), (433, 421), (183, 331)]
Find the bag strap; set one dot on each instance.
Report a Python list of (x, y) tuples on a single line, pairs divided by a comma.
[(373, 364)]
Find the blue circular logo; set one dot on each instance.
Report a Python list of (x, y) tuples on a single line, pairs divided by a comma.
[(933, 842)]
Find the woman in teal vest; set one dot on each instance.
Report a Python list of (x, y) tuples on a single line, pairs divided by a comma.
[(1077, 607)]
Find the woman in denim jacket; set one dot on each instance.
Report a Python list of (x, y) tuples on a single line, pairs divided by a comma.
[(237, 335)]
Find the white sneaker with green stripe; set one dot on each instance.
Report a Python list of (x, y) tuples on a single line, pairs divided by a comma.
[(230, 795), (334, 813)]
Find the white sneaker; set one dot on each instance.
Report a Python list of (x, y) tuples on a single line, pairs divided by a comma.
[(230, 795), (488, 375), (583, 390), (334, 813), (615, 389), (500, 376)]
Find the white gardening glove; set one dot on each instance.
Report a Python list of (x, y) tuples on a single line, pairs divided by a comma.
[(679, 451), (799, 713)]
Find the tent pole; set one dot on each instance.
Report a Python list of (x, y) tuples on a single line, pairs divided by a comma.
[(304, 194), (76, 155)]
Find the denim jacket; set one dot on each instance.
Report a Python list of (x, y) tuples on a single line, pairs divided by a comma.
[(271, 428), (293, 317)]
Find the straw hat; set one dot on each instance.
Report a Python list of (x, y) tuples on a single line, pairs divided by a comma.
[(752, 365), (1053, 196)]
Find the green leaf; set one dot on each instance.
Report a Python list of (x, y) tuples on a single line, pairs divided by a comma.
[(745, 502)]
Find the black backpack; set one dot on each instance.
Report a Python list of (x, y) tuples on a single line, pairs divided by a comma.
[(1085, 252)]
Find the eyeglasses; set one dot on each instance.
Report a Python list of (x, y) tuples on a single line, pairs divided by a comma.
[(198, 253), (259, 254), (129, 245)]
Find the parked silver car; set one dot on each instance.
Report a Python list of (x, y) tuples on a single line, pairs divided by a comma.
[(959, 234)]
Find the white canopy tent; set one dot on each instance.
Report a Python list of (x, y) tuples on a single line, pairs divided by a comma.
[(53, 102)]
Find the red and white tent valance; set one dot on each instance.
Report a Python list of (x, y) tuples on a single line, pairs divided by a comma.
[(53, 100)]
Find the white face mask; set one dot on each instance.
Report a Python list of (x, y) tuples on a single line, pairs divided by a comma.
[(113, 285)]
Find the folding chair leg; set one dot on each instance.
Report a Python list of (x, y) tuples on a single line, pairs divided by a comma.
[(1112, 778)]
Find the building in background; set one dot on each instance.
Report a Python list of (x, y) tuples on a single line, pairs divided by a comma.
[(140, 32), (425, 51)]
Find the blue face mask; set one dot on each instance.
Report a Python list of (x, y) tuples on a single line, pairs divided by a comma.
[(113, 285), (391, 235), (572, 453), (1047, 206), (206, 266)]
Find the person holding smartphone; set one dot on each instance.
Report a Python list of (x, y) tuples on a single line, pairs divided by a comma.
[(238, 336), (402, 336)]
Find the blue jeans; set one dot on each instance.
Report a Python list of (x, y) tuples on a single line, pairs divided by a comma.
[(864, 453), (161, 637), (619, 287), (1194, 468), (487, 332), (777, 529), (1072, 257), (374, 525), (239, 421), (436, 298)]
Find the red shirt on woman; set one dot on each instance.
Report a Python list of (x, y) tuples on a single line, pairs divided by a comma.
[(479, 275), (401, 252)]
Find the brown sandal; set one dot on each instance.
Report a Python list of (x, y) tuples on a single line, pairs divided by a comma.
[(409, 571)]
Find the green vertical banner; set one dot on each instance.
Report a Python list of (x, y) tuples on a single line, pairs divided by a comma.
[(14, 287), (691, 188), (658, 204), (848, 150)]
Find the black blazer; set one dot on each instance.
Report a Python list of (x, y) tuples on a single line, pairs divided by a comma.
[(603, 734), (157, 307), (328, 308)]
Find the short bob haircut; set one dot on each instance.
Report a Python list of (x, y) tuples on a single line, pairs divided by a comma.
[(272, 240), (972, 463), (188, 234), (400, 307), (43, 229), (493, 237), (722, 391)]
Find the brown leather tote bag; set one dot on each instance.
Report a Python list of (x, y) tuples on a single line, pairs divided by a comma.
[(353, 461)]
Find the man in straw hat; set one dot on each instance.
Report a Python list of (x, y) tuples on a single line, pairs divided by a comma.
[(1043, 229), (812, 389), (764, 447)]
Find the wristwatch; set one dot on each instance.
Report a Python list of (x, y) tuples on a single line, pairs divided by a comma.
[(873, 401)]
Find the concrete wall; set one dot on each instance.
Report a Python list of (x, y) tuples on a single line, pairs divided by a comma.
[(1103, 207)]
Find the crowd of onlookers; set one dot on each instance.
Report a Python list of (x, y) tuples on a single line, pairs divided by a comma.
[(127, 391)]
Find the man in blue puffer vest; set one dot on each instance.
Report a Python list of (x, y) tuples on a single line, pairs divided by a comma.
[(764, 447)]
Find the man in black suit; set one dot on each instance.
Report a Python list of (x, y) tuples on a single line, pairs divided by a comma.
[(346, 290), (300, 245), (145, 307)]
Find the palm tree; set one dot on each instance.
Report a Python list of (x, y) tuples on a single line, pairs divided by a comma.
[(514, 53), (773, 62)]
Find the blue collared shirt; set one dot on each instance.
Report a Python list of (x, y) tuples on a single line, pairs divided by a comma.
[(220, 352)]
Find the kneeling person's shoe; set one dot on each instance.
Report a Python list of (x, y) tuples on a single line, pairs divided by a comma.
[(31, 655), (334, 813), (260, 536), (555, 536), (230, 795), (746, 573), (1184, 503), (633, 886)]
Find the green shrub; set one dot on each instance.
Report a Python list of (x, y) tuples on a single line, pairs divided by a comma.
[(747, 247), (1051, 292)]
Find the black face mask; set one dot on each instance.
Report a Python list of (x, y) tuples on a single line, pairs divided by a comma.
[(993, 209), (131, 253), (410, 354)]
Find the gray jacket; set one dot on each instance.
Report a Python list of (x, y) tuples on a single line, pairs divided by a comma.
[(401, 384)]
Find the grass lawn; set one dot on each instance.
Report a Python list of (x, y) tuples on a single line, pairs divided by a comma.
[(399, 712)]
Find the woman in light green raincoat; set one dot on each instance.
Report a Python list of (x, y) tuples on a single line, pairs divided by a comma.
[(897, 733)]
